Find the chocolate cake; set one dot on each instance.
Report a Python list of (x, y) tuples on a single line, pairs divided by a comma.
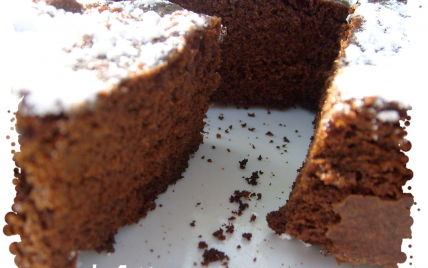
[(90, 167), (135, 78)]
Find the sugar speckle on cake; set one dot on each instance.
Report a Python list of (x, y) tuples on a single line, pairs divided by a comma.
[(388, 116), (96, 53)]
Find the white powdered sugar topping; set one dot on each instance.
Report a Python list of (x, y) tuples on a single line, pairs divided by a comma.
[(388, 116), (383, 32), (380, 59), (63, 59), (306, 244), (285, 236)]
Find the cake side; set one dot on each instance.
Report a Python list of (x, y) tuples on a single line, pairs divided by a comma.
[(348, 195), (276, 53), (356, 157), (89, 169)]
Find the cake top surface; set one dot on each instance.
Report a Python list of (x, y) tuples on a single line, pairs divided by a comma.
[(379, 57), (61, 59), (105, 44)]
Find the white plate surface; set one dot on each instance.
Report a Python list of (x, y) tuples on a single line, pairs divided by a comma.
[(166, 239)]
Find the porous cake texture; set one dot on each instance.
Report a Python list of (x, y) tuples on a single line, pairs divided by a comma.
[(348, 195), (88, 168), (276, 52)]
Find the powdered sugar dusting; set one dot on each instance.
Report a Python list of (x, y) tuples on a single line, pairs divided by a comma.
[(379, 59), (388, 116), (383, 32), (285, 236), (90, 52)]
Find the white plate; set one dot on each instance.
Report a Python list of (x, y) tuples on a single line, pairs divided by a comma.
[(167, 230), (166, 239)]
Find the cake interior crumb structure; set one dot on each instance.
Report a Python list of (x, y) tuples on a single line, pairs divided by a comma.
[(89, 170), (91, 165)]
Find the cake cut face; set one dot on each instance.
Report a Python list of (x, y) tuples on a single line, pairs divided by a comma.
[(348, 196), (88, 167), (276, 52)]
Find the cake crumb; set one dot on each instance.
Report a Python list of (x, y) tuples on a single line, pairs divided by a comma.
[(247, 236), (253, 179), (202, 245), (219, 234), (286, 140), (192, 223), (243, 163), (230, 228), (237, 195), (269, 134), (213, 255), (253, 217)]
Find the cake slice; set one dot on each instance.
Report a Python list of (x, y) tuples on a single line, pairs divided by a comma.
[(114, 100), (348, 195)]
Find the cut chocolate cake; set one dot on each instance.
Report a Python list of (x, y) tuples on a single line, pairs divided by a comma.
[(108, 121), (110, 118)]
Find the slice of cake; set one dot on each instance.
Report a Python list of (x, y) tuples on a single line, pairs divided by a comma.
[(348, 196), (115, 96)]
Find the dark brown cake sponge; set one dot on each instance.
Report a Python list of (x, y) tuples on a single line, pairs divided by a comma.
[(67, 5), (276, 52)]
